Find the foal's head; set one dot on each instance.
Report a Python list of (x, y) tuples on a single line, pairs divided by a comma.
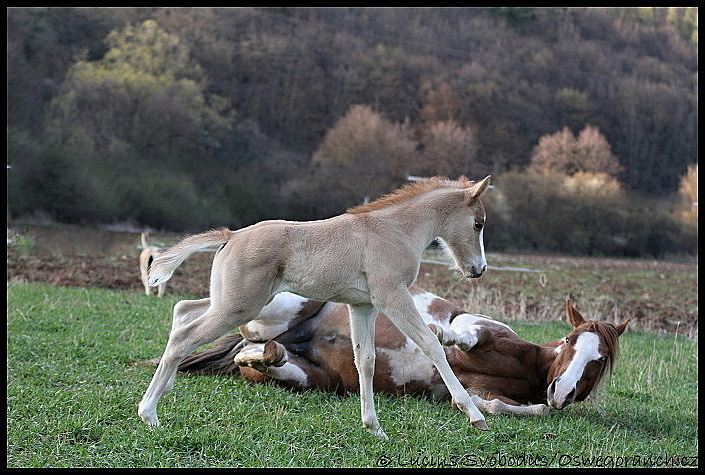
[(463, 229), (583, 359), (463, 216)]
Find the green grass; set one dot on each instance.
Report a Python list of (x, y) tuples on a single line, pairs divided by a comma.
[(72, 390)]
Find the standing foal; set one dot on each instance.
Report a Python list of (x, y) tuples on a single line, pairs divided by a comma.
[(366, 258)]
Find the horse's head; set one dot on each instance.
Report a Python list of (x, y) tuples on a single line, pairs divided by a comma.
[(582, 359), (463, 231)]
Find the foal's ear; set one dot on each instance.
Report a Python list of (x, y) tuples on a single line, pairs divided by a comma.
[(574, 316), (477, 189), (622, 326)]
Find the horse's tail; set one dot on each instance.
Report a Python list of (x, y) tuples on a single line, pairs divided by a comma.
[(218, 360), (163, 266)]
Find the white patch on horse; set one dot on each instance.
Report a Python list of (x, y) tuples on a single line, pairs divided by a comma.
[(274, 318), (423, 301), (408, 364), (467, 322), (586, 349)]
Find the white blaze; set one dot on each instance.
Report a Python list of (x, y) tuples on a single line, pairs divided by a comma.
[(586, 350)]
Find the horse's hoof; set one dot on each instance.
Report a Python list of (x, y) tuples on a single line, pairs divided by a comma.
[(274, 354), (481, 424)]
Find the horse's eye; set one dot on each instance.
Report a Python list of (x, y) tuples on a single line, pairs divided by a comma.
[(566, 340), (478, 225), (602, 359)]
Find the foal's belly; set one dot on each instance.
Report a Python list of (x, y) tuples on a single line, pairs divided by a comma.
[(327, 289)]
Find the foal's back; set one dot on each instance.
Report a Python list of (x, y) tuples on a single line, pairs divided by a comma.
[(327, 260)]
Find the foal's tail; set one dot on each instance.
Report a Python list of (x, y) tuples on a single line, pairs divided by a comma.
[(163, 266)]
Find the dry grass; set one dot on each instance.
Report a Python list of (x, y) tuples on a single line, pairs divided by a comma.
[(659, 296)]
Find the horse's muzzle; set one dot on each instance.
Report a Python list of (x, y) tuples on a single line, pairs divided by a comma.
[(559, 401)]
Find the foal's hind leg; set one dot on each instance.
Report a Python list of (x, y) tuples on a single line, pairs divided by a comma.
[(183, 339), (186, 311)]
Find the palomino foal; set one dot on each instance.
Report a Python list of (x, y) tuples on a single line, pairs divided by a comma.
[(366, 258)]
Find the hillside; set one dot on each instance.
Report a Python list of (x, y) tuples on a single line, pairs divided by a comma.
[(186, 118)]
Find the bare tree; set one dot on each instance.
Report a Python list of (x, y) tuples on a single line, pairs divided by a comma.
[(554, 153), (448, 149), (363, 155), (562, 152), (688, 192), (594, 154)]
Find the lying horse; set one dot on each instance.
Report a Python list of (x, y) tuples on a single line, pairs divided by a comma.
[(366, 258), (302, 344)]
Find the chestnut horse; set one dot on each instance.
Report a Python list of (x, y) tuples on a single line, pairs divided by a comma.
[(502, 372), (366, 258)]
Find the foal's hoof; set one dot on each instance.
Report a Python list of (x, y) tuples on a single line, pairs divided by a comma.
[(379, 433), (481, 424), (150, 419)]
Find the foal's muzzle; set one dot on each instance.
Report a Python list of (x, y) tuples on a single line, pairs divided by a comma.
[(476, 272)]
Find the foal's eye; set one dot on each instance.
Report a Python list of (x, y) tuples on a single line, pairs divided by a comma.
[(478, 225)]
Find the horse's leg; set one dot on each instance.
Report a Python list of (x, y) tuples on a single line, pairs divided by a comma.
[(465, 341), (183, 339), (262, 356), (362, 334), (497, 406), (288, 369), (398, 305)]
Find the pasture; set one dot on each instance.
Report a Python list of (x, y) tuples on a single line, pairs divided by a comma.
[(73, 382)]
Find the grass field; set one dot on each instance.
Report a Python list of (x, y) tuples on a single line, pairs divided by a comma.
[(73, 386)]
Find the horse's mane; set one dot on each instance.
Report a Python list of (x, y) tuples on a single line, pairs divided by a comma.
[(410, 190), (608, 333)]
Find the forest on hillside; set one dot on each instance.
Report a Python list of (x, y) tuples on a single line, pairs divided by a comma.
[(185, 118)]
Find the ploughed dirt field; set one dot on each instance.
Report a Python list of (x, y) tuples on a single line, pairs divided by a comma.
[(659, 296)]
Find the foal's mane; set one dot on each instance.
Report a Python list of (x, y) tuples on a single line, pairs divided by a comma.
[(410, 190)]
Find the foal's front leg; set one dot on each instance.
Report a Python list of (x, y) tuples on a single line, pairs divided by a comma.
[(362, 334), (398, 305)]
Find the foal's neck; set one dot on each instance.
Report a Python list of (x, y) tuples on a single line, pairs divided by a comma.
[(421, 218)]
